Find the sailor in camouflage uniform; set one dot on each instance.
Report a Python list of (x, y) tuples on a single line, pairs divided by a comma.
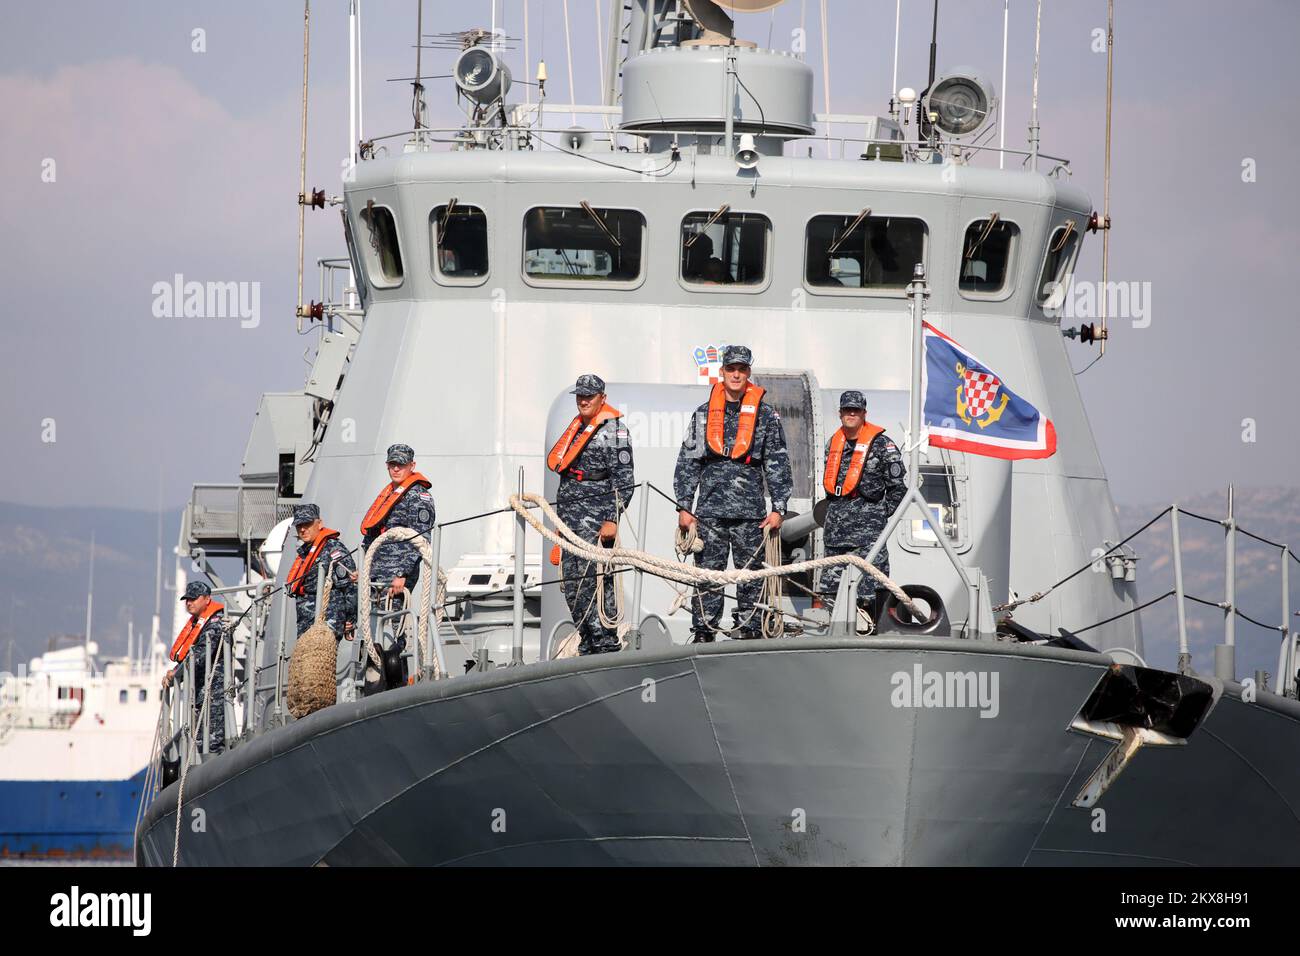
[(865, 482), (734, 443), (321, 551), (594, 461), (403, 503), (202, 636)]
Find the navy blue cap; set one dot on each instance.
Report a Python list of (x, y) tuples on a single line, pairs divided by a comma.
[(305, 514), (588, 385), (737, 355), (853, 399), (400, 455), (196, 589)]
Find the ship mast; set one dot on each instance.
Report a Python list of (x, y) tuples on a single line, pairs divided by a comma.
[(90, 593), (156, 623)]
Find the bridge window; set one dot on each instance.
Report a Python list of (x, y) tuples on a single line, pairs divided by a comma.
[(459, 241), (379, 246), (986, 254), (121, 697), (724, 248), (861, 251), (144, 695), (1057, 265), (583, 244), (354, 257)]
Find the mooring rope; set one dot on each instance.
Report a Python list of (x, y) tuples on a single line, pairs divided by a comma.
[(677, 571)]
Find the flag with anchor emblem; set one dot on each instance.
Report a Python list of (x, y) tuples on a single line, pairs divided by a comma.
[(967, 407)]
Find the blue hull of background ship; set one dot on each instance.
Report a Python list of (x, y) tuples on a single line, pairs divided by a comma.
[(69, 819)]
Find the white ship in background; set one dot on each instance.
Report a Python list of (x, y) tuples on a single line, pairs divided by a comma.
[(76, 731), (75, 736)]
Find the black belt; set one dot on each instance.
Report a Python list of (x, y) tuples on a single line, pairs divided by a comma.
[(577, 474)]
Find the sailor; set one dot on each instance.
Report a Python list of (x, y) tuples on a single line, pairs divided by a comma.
[(202, 636), (594, 461), (322, 549), (734, 444), (865, 482), (405, 502)]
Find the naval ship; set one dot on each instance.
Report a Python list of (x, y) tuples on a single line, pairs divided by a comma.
[(1004, 716)]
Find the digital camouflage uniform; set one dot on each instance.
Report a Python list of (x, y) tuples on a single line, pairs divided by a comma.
[(854, 522), (208, 642), (413, 510), (731, 505), (584, 505), (343, 592)]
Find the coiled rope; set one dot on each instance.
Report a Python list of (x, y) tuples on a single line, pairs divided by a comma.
[(688, 542), (413, 537), (614, 622)]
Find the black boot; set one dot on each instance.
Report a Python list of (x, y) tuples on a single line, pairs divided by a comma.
[(702, 637)]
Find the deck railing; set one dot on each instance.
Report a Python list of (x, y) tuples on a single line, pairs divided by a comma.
[(523, 134), (253, 689)]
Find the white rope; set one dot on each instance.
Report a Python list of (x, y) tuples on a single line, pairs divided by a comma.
[(677, 571), (615, 621), (865, 625), (688, 540), (773, 588), (412, 537), (769, 600)]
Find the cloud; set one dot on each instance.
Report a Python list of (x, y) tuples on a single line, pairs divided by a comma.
[(154, 177), (139, 145)]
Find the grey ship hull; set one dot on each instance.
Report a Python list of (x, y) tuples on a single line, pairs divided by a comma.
[(767, 753)]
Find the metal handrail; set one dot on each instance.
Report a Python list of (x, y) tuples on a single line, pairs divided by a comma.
[(463, 136), (1225, 659), (1284, 682)]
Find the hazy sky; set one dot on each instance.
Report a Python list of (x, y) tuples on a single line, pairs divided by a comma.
[(168, 160)]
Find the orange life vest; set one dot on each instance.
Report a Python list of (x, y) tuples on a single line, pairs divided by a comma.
[(385, 501), (563, 454), (302, 565), (715, 432), (192, 629), (865, 436)]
